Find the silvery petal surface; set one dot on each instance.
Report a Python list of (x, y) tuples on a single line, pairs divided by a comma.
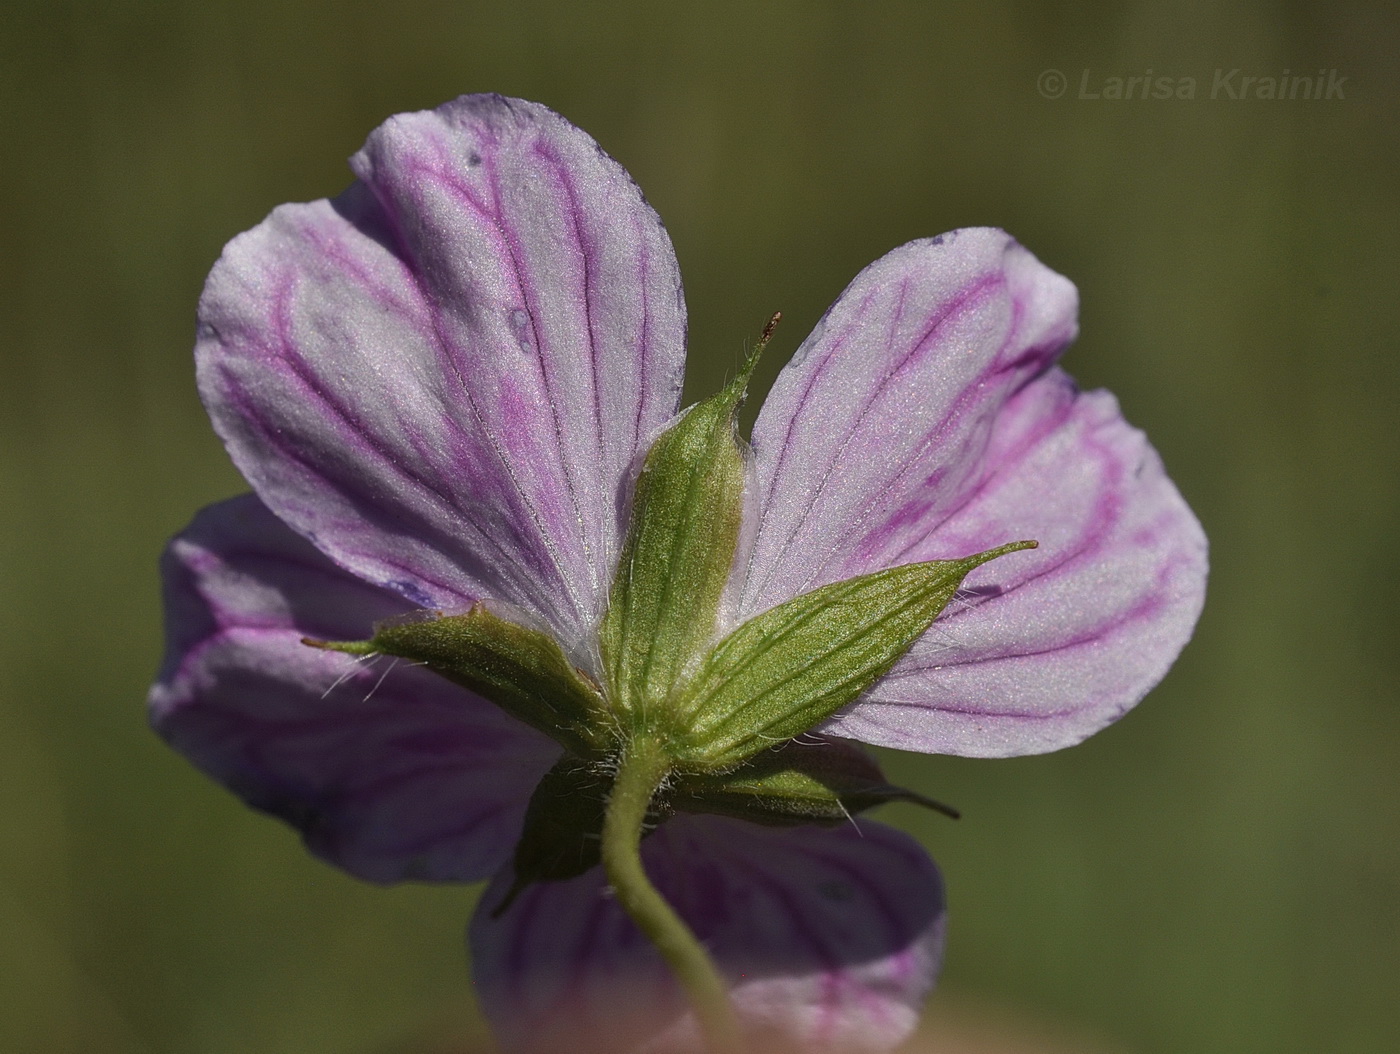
[(443, 376), (388, 771), (831, 938), (1044, 648), (878, 425), (925, 419)]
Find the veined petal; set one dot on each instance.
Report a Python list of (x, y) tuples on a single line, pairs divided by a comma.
[(1044, 648), (831, 938), (878, 424), (443, 377), (388, 771)]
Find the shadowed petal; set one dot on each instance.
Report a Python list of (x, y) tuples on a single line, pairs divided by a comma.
[(831, 938), (878, 424), (1044, 648), (442, 377), (388, 771)]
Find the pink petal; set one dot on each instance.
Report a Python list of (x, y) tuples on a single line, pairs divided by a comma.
[(831, 937), (388, 771), (1047, 647), (878, 425), (443, 376)]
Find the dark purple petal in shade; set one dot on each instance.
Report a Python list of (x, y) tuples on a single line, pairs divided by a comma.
[(877, 426), (388, 771), (1041, 649), (442, 377), (830, 936)]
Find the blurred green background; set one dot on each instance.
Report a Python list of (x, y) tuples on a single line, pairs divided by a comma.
[(1219, 872)]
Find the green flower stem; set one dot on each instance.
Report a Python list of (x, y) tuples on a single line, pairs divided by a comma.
[(644, 765)]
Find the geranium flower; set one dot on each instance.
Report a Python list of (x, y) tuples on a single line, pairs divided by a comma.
[(440, 386)]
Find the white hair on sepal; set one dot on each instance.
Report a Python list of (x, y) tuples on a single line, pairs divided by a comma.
[(387, 670), (352, 670)]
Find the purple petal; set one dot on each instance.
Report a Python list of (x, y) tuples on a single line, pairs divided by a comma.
[(388, 771), (443, 376), (831, 938), (878, 425), (1044, 648)]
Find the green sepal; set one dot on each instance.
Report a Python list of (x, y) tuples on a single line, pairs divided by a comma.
[(687, 508), (789, 669), (825, 781), (521, 670), (563, 831)]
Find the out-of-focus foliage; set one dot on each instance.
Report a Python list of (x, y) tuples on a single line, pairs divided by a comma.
[(1220, 872)]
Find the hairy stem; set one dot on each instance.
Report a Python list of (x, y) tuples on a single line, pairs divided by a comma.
[(643, 767)]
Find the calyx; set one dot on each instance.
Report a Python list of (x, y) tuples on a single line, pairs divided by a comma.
[(717, 703)]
